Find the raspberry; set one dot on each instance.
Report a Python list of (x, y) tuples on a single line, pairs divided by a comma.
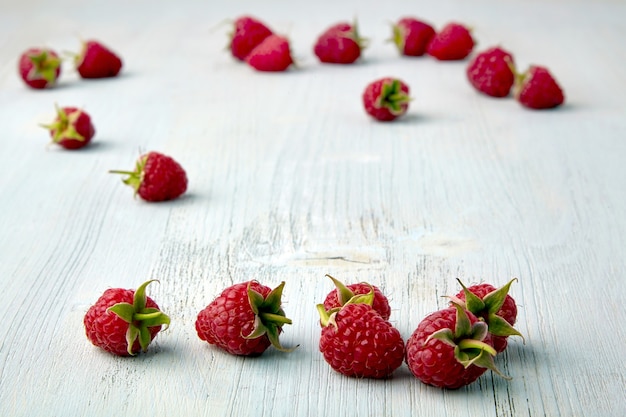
[(339, 44), (412, 36), (386, 99), (453, 42), (72, 128), (97, 61), (39, 67), (123, 322), (450, 348), (245, 319), (248, 32), (537, 89), (156, 177), (492, 72), (273, 54), (356, 341)]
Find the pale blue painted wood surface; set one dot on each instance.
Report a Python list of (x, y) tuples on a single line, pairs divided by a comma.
[(289, 181)]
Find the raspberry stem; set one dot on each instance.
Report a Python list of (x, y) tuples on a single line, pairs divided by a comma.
[(146, 316), (135, 177), (476, 344), (276, 318)]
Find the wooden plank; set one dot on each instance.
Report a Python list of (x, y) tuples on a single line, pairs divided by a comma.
[(289, 180)]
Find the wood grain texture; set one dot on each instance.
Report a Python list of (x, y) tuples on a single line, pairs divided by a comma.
[(289, 180)]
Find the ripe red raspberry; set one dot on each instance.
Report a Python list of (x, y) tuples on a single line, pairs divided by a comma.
[(124, 322), (494, 306), (248, 32), (97, 61), (386, 99), (272, 54), (342, 294), (72, 128), (157, 177), (492, 72), (339, 44), (39, 67), (537, 89), (412, 36), (245, 319), (453, 42), (356, 341), (449, 349)]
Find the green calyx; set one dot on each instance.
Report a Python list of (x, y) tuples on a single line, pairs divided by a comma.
[(140, 318), (344, 294), (269, 316), (327, 317), (45, 66), (467, 339), (398, 37), (134, 178), (64, 126), (354, 35), (80, 57), (519, 78), (488, 307), (392, 97)]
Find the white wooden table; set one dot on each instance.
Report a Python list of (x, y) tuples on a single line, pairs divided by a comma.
[(289, 180)]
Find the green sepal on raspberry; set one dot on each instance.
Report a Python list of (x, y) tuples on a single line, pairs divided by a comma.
[(135, 177), (45, 66), (269, 317), (488, 307), (140, 318), (64, 126), (344, 294), (392, 97), (397, 37), (354, 34), (327, 317), (468, 341)]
